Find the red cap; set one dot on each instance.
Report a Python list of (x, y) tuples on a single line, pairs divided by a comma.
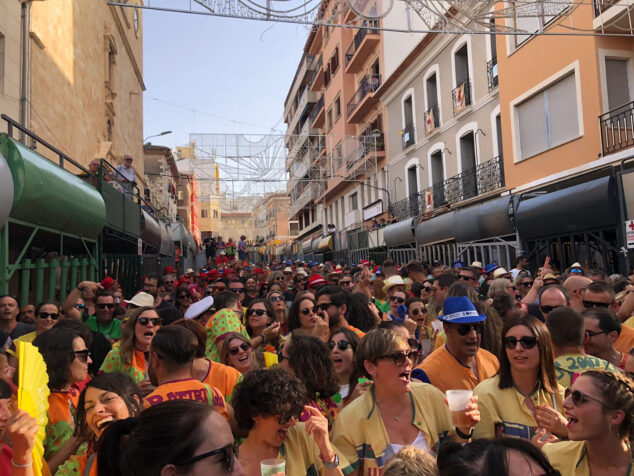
[(258, 271), (108, 282), (169, 270), (212, 274), (227, 271), (315, 280), (365, 262)]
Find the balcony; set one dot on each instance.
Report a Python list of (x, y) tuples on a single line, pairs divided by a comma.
[(432, 119), (363, 98), (363, 43), (408, 136), (612, 16), (316, 80), (461, 97), (306, 195), (617, 129), (372, 142), (318, 114), (492, 73), (484, 178)]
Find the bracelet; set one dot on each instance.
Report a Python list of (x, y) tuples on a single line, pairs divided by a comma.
[(28, 465), (263, 340), (462, 435)]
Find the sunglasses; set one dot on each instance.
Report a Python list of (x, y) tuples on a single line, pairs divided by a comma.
[(399, 300), (82, 355), (280, 278), (464, 329), (229, 454), (103, 306), (527, 342), (275, 298), (242, 347), (144, 321), (258, 312), (342, 345), (306, 311), (52, 315), (576, 271), (288, 416), (347, 283), (417, 311), (183, 296), (464, 277), (428, 289), (527, 285), (579, 398), (548, 309), (237, 290), (324, 306), (399, 357), (592, 334), (591, 304)]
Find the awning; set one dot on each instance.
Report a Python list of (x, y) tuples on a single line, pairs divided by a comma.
[(400, 232), (150, 230), (484, 220), (307, 245), (439, 228), (581, 207), (325, 244), (6, 191)]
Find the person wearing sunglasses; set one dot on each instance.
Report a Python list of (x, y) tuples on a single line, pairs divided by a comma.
[(523, 283), (227, 319), (398, 310), (173, 438), (236, 351), (343, 344), (267, 405), (470, 276), (333, 302), (461, 363), (603, 329), (600, 412), (394, 412), (104, 320), (308, 358), (303, 315), (67, 358), (601, 294), (182, 299), (131, 355), (105, 399), (568, 335), (261, 326), (46, 316), (276, 298), (524, 399)]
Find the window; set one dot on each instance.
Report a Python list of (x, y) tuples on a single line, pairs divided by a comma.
[(461, 94), (618, 83), (432, 114), (204, 213), (180, 194), (412, 180), (532, 17), (354, 201), (334, 62), (215, 213), (468, 164), (337, 108), (548, 119), (409, 132), (329, 122)]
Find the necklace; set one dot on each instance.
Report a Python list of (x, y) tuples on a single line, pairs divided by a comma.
[(396, 418)]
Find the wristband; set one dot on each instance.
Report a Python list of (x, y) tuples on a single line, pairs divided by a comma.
[(28, 465), (334, 463), (263, 340), (462, 435)]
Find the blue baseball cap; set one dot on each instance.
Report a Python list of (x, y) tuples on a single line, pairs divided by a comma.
[(457, 263), (288, 263), (491, 267), (313, 263), (460, 310)]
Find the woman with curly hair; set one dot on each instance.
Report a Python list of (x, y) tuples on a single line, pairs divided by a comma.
[(600, 411), (105, 399), (267, 404), (132, 354), (308, 358)]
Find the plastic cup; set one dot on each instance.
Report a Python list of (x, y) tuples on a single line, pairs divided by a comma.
[(273, 467), (458, 401)]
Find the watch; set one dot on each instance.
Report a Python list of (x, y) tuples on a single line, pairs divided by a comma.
[(333, 464), (462, 435)]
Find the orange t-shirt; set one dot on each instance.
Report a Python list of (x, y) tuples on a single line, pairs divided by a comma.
[(222, 377), (625, 342), (360, 334), (445, 372), (188, 389)]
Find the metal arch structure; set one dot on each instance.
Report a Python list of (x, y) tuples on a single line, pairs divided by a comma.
[(510, 17)]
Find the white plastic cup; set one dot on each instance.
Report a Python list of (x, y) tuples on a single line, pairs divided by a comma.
[(458, 401), (273, 467)]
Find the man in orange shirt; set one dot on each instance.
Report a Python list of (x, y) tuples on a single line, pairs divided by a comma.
[(172, 355), (332, 302), (601, 294), (460, 364)]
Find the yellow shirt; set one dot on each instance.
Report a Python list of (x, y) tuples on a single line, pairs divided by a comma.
[(302, 454), (30, 337), (569, 365), (359, 432), (625, 341), (630, 322), (570, 458), (504, 412), (445, 372)]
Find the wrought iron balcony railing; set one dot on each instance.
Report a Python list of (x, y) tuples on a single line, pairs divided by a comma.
[(461, 97), (492, 73), (319, 105), (356, 42), (432, 119), (318, 65), (369, 84), (617, 129), (602, 5), (408, 136), (486, 177)]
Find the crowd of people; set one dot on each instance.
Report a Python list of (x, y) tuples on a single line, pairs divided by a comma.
[(331, 369)]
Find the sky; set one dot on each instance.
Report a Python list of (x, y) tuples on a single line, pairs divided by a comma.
[(235, 69)]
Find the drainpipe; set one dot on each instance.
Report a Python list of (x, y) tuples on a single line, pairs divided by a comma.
[(25, 70)]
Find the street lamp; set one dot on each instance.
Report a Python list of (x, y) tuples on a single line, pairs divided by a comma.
[(164, 133)]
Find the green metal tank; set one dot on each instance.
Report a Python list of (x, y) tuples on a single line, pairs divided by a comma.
[(47, 195)]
